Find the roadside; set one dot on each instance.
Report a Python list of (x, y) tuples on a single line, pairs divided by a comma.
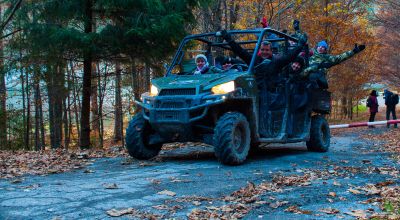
[(354, 179)]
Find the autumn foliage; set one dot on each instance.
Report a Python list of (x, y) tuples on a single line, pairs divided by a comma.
[(341, 23)]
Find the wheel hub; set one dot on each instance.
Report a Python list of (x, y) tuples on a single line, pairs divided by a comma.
[(238, 139)]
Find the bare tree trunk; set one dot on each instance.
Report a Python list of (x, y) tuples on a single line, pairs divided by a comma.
[(350, 106), (59, 82), (3, 98), (102, 85), (65, 123), (94, 106), (22, 78), (67, 112), (94, 100), (233, 14), (42, 130), (77, 105), (87, 82), (146, 77), (51, 102), (56, 91), (101, 98), (28, 112), (37, 102), (118, 104)]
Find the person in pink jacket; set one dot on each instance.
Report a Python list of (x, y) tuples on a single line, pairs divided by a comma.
[(372, 104)]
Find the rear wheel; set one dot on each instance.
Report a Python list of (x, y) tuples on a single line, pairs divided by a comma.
[(319, 135), (232, 138), (137, 139)]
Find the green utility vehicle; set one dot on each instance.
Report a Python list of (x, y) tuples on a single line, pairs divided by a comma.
[(224, 109)]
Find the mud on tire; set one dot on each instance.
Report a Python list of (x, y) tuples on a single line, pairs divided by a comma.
[(232, 138), (137, 138), (319, 135)]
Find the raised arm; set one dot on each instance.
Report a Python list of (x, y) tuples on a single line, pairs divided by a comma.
[(285, 59), (334, 60), (236, 48)]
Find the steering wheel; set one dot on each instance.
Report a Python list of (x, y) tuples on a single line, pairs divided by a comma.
[(239, 66)]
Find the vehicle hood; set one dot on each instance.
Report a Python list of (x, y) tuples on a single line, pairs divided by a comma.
[(203, 82)]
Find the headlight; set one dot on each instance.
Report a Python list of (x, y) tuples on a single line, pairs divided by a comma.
[(153, 90), (224, 88)]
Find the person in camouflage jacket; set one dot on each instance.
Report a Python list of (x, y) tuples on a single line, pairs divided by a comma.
[(320, 61)]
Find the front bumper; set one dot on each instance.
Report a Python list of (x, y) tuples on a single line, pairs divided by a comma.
[(178, 109)]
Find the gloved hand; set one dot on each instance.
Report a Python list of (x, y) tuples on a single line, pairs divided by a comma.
[(358, 48), (296, 25), (303, 39), (224, 34)]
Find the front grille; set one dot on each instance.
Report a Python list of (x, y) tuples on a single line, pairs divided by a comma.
[(191, 91), (169, 104), (167, 115)]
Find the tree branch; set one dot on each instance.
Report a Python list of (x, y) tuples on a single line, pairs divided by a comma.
[(11, 15)]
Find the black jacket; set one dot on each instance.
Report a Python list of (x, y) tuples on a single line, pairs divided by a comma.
[(265, 69)]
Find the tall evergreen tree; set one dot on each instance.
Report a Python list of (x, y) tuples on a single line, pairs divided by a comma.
[(146, 30)]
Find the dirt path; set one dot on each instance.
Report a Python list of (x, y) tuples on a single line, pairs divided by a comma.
[(280, 182)]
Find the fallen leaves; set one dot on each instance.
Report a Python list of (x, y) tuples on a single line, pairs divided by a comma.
[(354, 191), (232, 211), (357, 213), (333, 194), (17, 163), (329, 211), (167, 192), (110, 186), (277, 204), (132, 212), (294, 180), (295, 209), (121, 212)]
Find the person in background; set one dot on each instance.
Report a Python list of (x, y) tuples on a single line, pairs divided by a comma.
[(391, 100), (372, 104), (202, 66)]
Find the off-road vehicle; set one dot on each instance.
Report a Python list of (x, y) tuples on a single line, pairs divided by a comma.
[(224, 109)]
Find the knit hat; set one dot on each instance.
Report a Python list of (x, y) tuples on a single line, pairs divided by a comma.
[(322, 44), (200, 56)]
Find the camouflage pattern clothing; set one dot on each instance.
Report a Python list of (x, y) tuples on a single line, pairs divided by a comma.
[(327, 60)]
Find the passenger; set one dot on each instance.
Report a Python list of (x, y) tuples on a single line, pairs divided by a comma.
[(203, 67), (297, 66), (267, 66), (320, 55), (266, 63)]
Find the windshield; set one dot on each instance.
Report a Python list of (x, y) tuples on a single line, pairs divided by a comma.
[(217, 54)]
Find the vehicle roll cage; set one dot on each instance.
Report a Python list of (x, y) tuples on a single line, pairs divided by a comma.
[(260, 32)]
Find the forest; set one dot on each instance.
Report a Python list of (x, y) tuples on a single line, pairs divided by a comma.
[(71, 70)]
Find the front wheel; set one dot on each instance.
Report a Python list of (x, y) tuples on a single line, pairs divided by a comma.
[(137, 139), (320, 135), (232, 138)]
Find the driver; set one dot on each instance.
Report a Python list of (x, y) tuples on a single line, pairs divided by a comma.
[(202, 66), (229, 62)]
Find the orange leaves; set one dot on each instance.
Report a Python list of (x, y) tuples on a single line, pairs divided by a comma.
[(17, 163)]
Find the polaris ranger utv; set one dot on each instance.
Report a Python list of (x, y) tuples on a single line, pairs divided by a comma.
[(223, 109)]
